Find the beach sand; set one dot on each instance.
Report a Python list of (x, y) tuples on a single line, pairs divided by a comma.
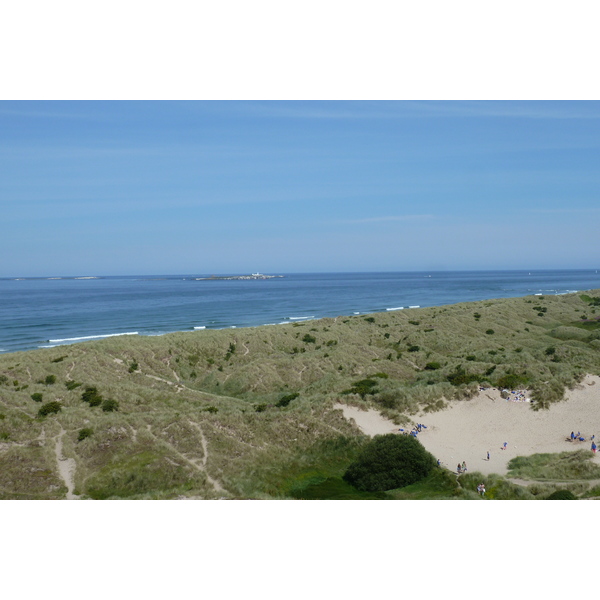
[(468, 429)]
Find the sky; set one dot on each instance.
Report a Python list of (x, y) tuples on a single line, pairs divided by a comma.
[(233, 187)]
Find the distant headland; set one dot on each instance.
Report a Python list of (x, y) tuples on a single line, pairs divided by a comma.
[(252, 276)]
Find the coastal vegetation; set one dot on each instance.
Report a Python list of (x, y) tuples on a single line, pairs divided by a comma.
[(249, 413)]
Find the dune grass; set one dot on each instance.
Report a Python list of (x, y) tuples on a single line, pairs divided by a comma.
[(248, 413)]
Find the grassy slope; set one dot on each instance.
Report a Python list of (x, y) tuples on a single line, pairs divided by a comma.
[(197, 411)]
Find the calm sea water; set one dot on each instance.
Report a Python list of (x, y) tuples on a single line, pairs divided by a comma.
[(39, 312)]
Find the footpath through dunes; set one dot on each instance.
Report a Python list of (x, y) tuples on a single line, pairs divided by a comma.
[(468, 429)]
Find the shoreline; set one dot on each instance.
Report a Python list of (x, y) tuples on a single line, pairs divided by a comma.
[(322, 296)]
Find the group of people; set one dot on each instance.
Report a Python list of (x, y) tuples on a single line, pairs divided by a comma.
[(577, 437), (414, 431), (461, 468), (481, 489)]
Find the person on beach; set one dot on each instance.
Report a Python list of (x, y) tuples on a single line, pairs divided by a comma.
[(458, 469), (504, 446), (594, 447), (488, 455), (572, 436), (464, 466)]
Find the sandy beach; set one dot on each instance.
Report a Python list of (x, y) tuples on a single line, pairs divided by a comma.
[(468, 429)]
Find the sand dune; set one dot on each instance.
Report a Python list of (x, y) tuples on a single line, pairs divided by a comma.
[(468, 429)]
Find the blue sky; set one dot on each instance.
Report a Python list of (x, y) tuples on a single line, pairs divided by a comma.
[(102, 188)]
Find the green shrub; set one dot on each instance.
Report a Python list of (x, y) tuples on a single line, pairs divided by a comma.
[(71, 385), (49, 408), (511, 381), (133, 367), (433, 366), (84, 433), (110, 405), (490, 331), (414, 348), (260, 407), (287, 399), (37, 397), (460, 377), (370, 319), (388, 462), (91, 396), (562, 495), (362, 388), (309, 339), (50, 379)]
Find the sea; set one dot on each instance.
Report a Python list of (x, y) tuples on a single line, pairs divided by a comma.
[(53, 311)]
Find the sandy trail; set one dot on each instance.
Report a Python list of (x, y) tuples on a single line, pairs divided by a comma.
[(468, 429), (66, 466)]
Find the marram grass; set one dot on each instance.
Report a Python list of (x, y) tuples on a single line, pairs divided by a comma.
[(206, 414)]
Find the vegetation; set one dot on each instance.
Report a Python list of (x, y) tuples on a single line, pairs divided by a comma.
[(562, 495), (49, 408), (388, 462), (252, 409)]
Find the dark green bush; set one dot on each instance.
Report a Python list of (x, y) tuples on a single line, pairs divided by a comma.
[(287, 399), (309, 339), (460, 377), (413, 348), (433, 366), (110, 405), (362, 388), (370, 319), (71, 385), (562, 495), (490, 331), (50, 379), (84, 433), (511, 381), (37, 397), (91, 396), (49, 408), (388, 462), (133, 367)]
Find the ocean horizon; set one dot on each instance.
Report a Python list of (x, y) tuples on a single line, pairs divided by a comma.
[(40, 312)]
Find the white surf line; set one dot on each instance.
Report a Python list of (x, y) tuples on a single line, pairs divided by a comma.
[(66, 466)]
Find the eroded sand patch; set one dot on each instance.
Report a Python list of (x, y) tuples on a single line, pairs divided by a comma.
[(468, 429)]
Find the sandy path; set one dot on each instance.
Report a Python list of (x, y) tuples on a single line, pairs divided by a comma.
[(218, 487), (468, 429), (66, 466)]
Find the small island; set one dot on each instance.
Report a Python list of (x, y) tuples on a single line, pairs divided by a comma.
[(252, 276)]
